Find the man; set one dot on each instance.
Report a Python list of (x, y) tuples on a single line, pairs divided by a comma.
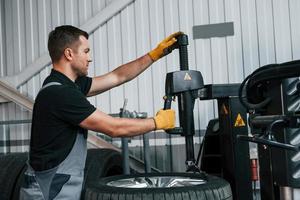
[(62, 114)]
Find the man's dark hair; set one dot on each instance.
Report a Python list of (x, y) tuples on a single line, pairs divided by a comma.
[(61, 38)]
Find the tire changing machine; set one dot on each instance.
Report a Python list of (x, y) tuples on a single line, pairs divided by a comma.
[(270, 97), (187, 86)]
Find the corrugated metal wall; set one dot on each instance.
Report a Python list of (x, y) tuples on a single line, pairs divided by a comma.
[(1, 39), (265, 31)]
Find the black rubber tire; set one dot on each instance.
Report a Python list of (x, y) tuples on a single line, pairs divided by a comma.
[(101, 163), (11, 167), (214, 189), (18, 184)]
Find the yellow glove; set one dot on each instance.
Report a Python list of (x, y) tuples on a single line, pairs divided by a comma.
[(164, 119), (164, 47)]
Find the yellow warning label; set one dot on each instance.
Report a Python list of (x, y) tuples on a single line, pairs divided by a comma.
[(187, 77), (239, 121)]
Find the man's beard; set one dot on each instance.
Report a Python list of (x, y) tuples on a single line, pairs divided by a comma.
[(80, 72)]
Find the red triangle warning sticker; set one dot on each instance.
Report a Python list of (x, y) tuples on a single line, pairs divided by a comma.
[(224, 110), (239, 121)]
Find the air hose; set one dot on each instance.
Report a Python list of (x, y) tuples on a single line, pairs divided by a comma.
[(254, 85)]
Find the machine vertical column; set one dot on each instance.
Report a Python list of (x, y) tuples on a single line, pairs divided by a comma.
[(235, 153), (267, 189), (186, 104)]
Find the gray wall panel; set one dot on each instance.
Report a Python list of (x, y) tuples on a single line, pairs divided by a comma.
[(42, 26), (234, 46), (58, 12), (265, 31), (9, 39), (249, 35), (27, 24), (30, 47), (2, 39), (295, 28), (282, 31), (265, 24)]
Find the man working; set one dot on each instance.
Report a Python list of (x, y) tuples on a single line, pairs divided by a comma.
[(62, 114)]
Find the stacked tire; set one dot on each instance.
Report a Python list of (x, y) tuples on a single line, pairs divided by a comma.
[(101, 163), (12, 168)]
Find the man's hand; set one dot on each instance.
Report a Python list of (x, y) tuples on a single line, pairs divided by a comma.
[(164, 119), (164, 47)]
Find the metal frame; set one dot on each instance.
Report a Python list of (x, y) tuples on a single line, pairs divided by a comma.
[(235, 153)]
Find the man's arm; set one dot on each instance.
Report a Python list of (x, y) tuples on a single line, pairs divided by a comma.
[(126, 127), (120, 75), (132, 69)]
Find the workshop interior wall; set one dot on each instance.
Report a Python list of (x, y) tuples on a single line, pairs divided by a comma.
[(265, 32)]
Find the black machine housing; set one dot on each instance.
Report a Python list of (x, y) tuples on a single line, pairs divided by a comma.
[(181, 81), (271, 96)]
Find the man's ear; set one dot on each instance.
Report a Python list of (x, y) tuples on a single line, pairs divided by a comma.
[(68, 53)]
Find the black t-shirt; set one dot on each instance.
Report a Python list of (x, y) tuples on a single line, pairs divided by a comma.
[(57, 111)]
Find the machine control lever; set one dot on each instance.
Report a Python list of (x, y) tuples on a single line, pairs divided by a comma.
[(268, 142), (267, 123), (167, 105), (168, 101)]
